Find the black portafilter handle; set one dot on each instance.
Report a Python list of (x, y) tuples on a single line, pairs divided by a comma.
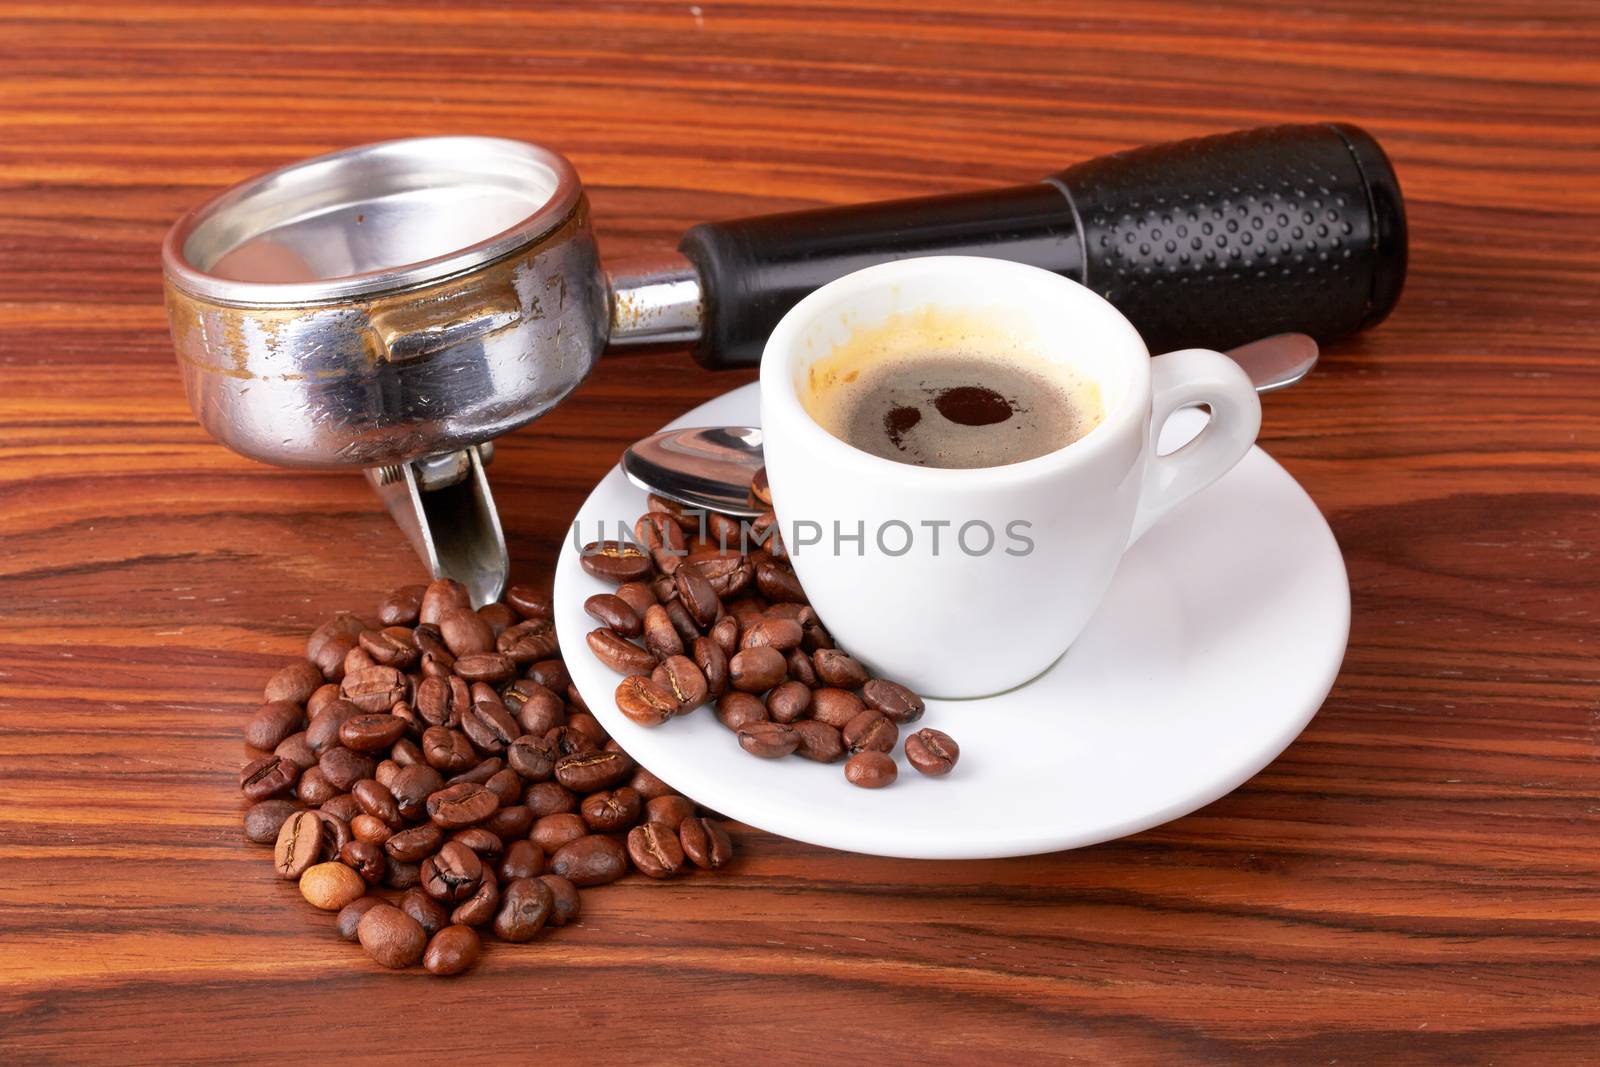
[(1209, 242)]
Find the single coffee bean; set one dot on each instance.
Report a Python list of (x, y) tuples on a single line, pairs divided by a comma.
[(495, 667), (374, 689), (933, 752), (645, 701), (271, 723), (589, 772), (402, 875), (402, 606), (900, 704), (323, 733), (550, 673), (663, 538), (529, 641), (713, 664), (705, 843), (549, 798), (429, 914), (391, 937), (263, 820), (451, 951), (375, 799), (481, 841), (525, 905), (870, 730), (456, 806), (638, 597), (655, 850), (370, 828), (292, 684), (481, 906), (412, 787), (391, 646), (836, 707), (406, 752), (330, 886), (506, 785), (818, 741), (769, 740), (567, 905), (267, 777), (478, 773), (588, 861), (314, 787), (611, 810), (500, 617), (295, 749), (800, 669), (781, 634), (385, 771), (465, 632), (615, 561), (569, 740), (344, 768), (335, 831), (440, 597), (416, 844), (532, 757), (442, 701), (357, 659), (366, 859), (529, 602), (510, 822), (837, 669), (661, 637), (350, 916), (648, 785), (682, 622), (618, 653), (697, 595), (371, 733), (324, 695), (331, 654), (726, 634), (679, 676), (447, 749), (669, 811), (689, 519), (755, 670), (728, 575), (615, 614), (542, 710), (789, 702), (489, 727), (553, 831), (521, 859), (778, 582), (736, 710), (870, 769), (299, 846), (453, 874)]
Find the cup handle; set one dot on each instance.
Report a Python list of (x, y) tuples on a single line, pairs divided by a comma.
[(1183, 379)]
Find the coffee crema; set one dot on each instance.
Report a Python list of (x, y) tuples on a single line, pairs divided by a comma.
[(935, 389)]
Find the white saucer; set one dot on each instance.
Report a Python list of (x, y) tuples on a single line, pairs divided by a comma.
[(1219, 639)]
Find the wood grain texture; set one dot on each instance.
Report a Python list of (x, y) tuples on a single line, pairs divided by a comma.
[(1417, 879)]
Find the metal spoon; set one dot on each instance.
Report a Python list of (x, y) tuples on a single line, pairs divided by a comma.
[(711, 466)]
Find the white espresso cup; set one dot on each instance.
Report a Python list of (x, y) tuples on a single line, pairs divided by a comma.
[(968, 582)]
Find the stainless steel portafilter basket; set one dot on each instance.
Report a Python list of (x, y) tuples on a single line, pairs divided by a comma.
[(395, 307)]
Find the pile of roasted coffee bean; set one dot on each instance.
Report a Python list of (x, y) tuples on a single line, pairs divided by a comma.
[(435, 771), (723, 619)]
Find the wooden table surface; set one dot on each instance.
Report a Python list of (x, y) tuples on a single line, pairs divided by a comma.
[(1416, 878)]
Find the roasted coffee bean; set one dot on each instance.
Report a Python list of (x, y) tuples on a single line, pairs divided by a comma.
[(789, 702), (870, 769), (553, 831), (532, 757), (679, 676), (800, 669), (836, 707), (669, 811), (370, 828), (541, 711), (588, 861), (755, 670), (769, 740), (687, 518), (655, 850), (760, 488), (357, 659), (638, 596), (325, 694), (620, 654), (567, 905), (292, 684), (682, 622), (521, 859), (728, 575), (589, 772), (295, 748), (510, 822), (736, 710), (416, 844), (456, 806), (385, 772), (726, 634), (713, 663), (335, 830), (412, 787), (350, 915), (613, 613), (330, 886), (575, 701), (705, 843), (529, 641), (374, 689), (870, 730), (391, 937), (267, 777), (661, 637), (447, 749), (506, 785), (323, 733), (781, 634), (585, 723), (900, 704), (391, 646), (611, 810), (366, 859), (645, 701), (344, 767), (402, 875), (697, 595), (371, 733), (495, 667), (330, 656), (778, 582), (569, 739), (500, 617), (402, 606), (273, 722), (376, 799), (429, 914), (664, 589), (407, 753), (525, 905), (441, 701), (549, 798), (815, 637), (818, 741), (437, 665), (263, 820), (529, 602), (933, 752), (299, 845), (481, 906), (451, 951), (453, 874), (615, 561), (837, 669), (465, 632), (764, 532), (440, 597), (664, 540), (314, 787), (489, 727)]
